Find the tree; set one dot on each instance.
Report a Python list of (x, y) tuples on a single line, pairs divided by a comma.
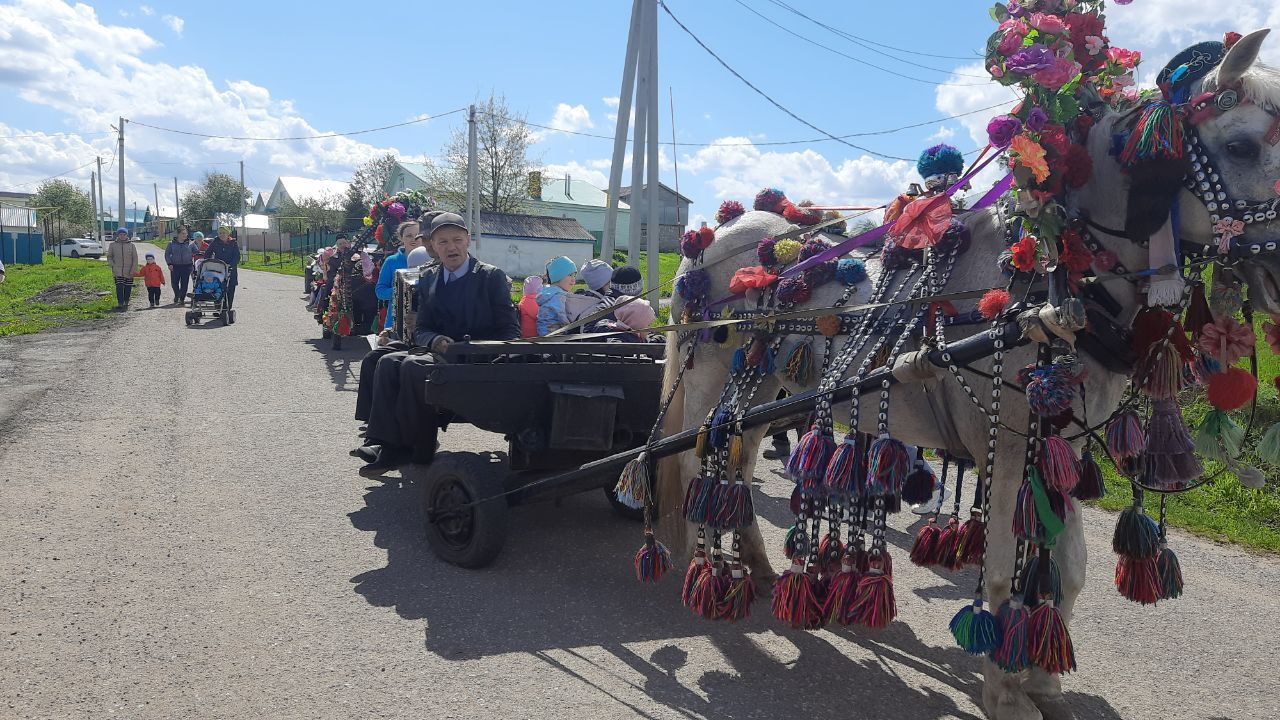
[(502, 150), (370, 178), (217, 193), (73, 213), (319, 212)]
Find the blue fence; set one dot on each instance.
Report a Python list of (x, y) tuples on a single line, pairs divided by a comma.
[(21, 248)]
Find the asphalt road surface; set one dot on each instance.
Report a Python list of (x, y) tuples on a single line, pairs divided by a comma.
[(182, 535)]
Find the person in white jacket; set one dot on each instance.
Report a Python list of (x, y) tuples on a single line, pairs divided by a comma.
[(122, 256)]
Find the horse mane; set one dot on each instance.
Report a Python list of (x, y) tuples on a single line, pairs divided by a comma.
[(1260, 85)]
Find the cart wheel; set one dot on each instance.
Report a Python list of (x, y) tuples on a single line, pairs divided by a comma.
[(620, 508), (231, 315), (468, 537), (189, 318), (223, 315)]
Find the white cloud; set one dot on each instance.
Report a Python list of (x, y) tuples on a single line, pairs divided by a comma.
[(738, 169), (577, 171), (575, 118), (611, 102), (175, 23), (944, 132), (146, 10), (1160, 29)]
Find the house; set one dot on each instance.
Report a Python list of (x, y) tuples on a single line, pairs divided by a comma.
[(522, 244), (577, 199), (9, 198), (21, 238), (405, 176), (673, 215), (298, 189), (258, 204)]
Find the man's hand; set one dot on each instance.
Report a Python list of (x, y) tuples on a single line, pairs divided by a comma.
[(441, 344), (384, 337)]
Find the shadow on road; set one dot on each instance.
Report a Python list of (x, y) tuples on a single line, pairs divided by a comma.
[(342, 365), (565, 581)]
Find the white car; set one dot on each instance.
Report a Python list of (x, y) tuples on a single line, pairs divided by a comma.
[(78, 247)]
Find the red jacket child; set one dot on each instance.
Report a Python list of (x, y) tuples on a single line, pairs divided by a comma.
[(528, 306)]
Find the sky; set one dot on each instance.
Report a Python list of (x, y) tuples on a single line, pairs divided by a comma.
[(68, 71)]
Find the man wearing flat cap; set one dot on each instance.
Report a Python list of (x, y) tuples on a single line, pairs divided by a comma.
[(459, 297)]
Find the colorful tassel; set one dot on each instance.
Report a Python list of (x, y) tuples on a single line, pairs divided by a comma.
[(795, 544), (1269, 446), (1091, 485), (1250, 477), (720, 427), (1033, 582), (1051, 648), (975, 629), (972, 538), (795, 601), (919, 486), (691, 576), (808, 462), (887, 467), (925, 545), (1136, 535), (653, 560), (1170, 572), (632, 489), (734, 509), (873, 603), (1219, 437), (946, 553), (841, 468), (1025, 526), (830, 552), (840, 593), (738, 596), (1138, 579), (1170, 462), (1125, 438), (1058, 464), (707, 593), (1013, 654), (1156, 136), (799, 365), (697, 499)]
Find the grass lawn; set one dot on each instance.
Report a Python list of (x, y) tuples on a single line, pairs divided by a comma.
[(283, 264), (57, 293), (668, 263)]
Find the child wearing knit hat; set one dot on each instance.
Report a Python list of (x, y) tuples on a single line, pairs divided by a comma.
[(528, 306), (561, 274)]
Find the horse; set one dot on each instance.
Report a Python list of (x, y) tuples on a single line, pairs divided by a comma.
[(937, 413)]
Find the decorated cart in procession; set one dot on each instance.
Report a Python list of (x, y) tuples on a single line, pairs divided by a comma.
[(1113, 269)]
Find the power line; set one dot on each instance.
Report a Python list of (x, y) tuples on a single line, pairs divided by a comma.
[(51, 177), (859, 40), (860, 61), (300, 137), (766, 96), (60, 134)]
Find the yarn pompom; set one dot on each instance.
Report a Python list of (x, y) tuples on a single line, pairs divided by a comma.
[(1050, 388), (1170, 572), (689, 245), (1051, 648), (785, 252), (1227, 340), (851, 271), (920, 484), (993, 303), (1231, 389), (940, 159), (873, 602), (653, 560), (765, 252), (729, 210), (794, 290), (975, 629), (693, 285), (835, 228), (706, 236), (769, 200), (1058, 464), (795, 600), (1125, 438), (813, 246), (801, 214)]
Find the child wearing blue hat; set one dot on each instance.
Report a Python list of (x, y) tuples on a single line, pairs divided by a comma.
[(561, 275)]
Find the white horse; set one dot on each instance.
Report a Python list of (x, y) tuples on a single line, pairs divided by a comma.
[(1249, 165)]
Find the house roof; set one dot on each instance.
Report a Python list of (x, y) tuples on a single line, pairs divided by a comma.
[(532, 226), (416, 169), (579, 192), (626, 191), (300, 188)]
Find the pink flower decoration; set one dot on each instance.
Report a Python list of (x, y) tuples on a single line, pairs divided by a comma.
[(1093, 44), (1225, 229), (1048, 24), (1227, 340), (1272, 333), (1104, 260), (1013, 38), (1058, 74), (1124, 58), (1277, 187)]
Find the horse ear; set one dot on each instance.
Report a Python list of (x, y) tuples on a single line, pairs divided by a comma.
[(1153, 186), (1240, 58)]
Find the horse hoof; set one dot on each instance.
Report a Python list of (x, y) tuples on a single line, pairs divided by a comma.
[(764, 581), (1013, 705), (1053, 707)]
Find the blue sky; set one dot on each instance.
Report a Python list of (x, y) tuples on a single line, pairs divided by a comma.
[(284, 69)]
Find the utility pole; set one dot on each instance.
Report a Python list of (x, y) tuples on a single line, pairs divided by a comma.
[(93, 198), (639, 138), (98, 226), (651, 114), (120, 161), (620, 135), (177, 206), (155, 188), (244, 244), (473, 177)]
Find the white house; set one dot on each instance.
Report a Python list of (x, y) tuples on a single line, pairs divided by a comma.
[(577, 199), (298, 189), (522, 244)]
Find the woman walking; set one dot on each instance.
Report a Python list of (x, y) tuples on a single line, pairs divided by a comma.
[(122, 256)]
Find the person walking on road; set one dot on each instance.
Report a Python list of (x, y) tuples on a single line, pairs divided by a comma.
[(226, 250), (179, 255), (122, 256), (153, 277)]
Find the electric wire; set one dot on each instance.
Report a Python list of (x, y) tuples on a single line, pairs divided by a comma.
[(858, 39), (300, 137)]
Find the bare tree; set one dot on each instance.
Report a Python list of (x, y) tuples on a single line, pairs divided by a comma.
[(502, 150), (369, 179)]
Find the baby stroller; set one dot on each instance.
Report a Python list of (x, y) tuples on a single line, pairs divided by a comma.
[(209, 294)]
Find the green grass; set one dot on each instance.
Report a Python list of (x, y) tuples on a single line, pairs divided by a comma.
[(1224, 510), (77, 282), (286, 264)]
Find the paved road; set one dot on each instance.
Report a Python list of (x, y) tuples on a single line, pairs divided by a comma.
[(182, 535)]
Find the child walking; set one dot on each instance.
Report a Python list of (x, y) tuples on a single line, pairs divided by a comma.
[(153, 277), (561, 275)]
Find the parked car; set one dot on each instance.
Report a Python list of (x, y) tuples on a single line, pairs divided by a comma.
[(78, 247)]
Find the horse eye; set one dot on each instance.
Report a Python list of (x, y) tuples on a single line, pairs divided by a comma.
[(1243, 149)]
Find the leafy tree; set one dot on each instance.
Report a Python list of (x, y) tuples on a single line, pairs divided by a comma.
[(502, 149), (320, 212), (74, 210), (217, 193), (369, 178)]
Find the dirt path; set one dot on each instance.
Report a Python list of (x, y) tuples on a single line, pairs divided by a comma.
[(182, 535)]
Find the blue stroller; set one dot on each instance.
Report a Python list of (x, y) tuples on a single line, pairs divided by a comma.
[(209, 294)]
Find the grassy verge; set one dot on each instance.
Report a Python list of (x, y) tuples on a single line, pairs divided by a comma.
[(38, 297), (282, 264), (668, 263)]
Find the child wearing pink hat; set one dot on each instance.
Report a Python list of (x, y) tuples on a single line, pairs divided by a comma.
[(528, 306)]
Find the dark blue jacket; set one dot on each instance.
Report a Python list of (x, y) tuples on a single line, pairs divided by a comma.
[(480, 307), (229, 253)]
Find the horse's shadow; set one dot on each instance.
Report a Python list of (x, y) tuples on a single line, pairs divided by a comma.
[(342, 365), (564, 581)]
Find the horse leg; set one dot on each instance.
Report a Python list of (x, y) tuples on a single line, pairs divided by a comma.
[(1045, 689), (753, 551)]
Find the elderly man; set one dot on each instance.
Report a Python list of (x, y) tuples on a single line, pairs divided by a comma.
[(459, 297)]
